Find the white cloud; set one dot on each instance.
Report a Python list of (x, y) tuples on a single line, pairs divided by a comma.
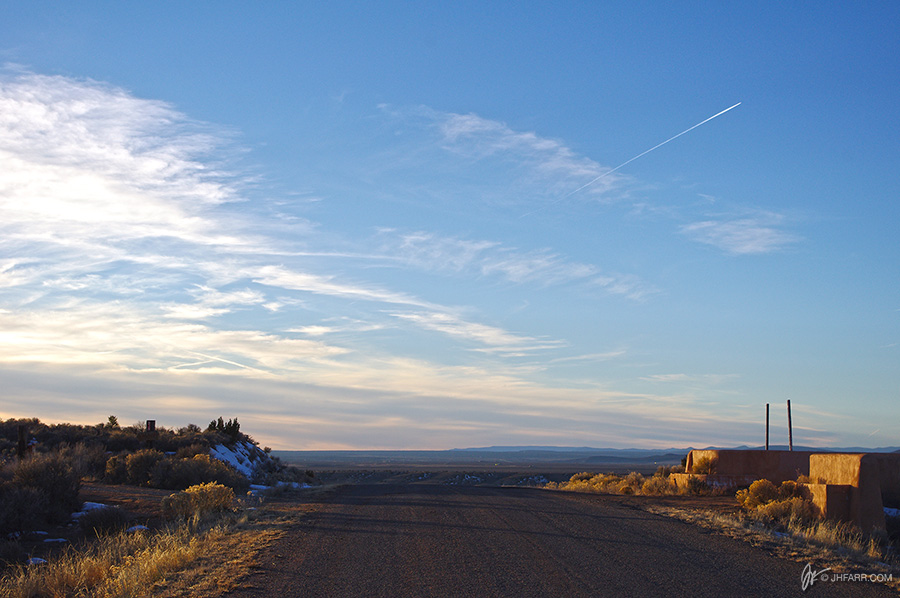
[(545, 268), (283, 278), (743, 236), (491, 338), (479, 137)]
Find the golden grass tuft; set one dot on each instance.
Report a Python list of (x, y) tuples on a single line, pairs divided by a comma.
[(197, 501)]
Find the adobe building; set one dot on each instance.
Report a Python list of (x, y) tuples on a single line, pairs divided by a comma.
[(852, 487)]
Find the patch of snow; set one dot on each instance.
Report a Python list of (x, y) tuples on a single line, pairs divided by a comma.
[(137, 528), (255, 489), (41, 533), (87, 507), (891, 512), (35, 561), (52, 540), (243, 456)]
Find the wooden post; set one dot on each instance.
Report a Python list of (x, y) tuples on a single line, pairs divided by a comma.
[(150, 432), (790, 428), (767, 426)]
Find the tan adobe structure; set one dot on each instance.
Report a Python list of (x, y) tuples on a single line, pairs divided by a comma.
[(852, 487)]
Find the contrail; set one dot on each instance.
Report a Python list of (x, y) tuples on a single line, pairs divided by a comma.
[(644, 153)]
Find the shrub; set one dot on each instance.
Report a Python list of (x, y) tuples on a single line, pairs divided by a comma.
[(658, 486), (630, 484), (663, 471), (186, 452), (790, 489), (789, 503), (21, 508), (139, 466), (100, 522), (116, 472), (761, 492), (581, 477), (705, 465), (182, 473), (88, 460), (53, 477), (796, 508), (198, 501), (11, 552), (696, 486)]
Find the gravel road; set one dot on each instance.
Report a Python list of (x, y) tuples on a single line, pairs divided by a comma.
[(448, 541)]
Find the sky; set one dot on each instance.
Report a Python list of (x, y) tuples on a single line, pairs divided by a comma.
[(405, 225)]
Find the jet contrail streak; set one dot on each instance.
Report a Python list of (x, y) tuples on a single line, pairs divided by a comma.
[(644, 153)]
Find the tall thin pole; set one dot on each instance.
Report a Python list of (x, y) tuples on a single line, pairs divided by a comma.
[(767, 426), (790, 428)]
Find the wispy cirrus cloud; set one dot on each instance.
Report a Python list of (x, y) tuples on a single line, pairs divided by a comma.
[(488, 338), (757, 234), (116, 215), (544, 268), (479, 137)]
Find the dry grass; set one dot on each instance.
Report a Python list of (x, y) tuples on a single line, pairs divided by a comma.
[(632, 483), (191, 558), (839, 546)]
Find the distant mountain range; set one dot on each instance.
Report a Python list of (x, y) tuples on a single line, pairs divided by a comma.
[(562, 456), (636, 452)]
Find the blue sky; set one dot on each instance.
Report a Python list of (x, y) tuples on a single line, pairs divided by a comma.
[(362, 225)]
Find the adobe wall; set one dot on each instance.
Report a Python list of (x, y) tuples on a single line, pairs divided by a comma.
[(851, 487), (865, 476), (776, 466)]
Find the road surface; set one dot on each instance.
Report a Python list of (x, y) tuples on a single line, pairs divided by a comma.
[(449, 541)]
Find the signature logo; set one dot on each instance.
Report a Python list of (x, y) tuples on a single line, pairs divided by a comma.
[(809, 576)]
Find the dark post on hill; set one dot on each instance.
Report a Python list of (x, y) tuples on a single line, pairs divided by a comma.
[(767, 426), (150, 433), (790, 428), (23, 442)]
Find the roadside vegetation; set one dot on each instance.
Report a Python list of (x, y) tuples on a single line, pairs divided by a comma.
[(203, 524), (633, 483), (42, 487), (213, 520), (788, 509), (781, 518)]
